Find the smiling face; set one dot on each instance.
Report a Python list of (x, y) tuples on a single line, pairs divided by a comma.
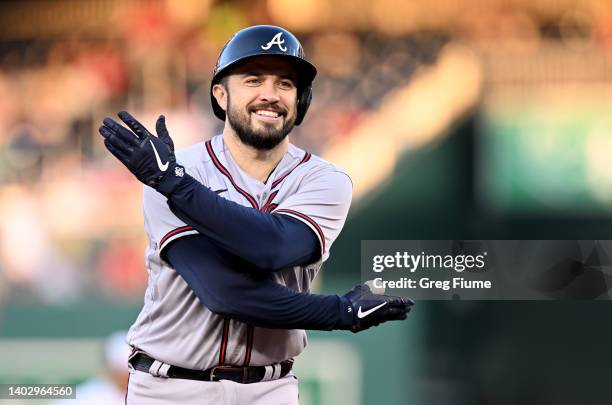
[(260, 100)]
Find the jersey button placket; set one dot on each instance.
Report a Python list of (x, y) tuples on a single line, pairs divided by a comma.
[(264, 195)]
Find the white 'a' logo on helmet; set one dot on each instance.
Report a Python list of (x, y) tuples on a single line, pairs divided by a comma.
[(276, 40)]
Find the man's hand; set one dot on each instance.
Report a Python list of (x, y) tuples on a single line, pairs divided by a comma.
[(368, 309), (150, 158)]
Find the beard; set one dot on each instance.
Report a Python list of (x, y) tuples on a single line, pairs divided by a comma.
[(265, 138)]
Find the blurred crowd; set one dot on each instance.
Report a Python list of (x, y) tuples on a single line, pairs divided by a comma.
[(70, 215)]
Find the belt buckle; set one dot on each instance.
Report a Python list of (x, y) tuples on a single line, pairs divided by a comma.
[(215, 368), (212, 373)]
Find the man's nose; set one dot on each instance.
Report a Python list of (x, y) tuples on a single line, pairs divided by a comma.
[(269, 92)]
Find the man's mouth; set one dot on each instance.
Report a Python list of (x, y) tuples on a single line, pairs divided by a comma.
[(267, 115)]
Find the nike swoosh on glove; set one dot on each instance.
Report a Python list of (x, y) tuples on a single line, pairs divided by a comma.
[(150, 158), (362, 309)]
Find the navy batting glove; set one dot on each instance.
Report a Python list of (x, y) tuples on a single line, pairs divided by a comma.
[(362, 309), (150, 158)]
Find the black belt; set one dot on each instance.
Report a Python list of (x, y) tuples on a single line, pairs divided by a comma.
[(243, 375)]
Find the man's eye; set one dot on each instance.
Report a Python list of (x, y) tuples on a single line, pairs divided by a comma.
[(287, 84), (252, 80)]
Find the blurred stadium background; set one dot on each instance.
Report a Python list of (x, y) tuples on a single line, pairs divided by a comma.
[(458, 119)]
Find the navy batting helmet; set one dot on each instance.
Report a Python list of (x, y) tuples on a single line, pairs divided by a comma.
[(266, 40)]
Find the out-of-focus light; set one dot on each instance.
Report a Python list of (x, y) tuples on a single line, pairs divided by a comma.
[(66, 199), (154, 27), (224, 20), (599, 164), (368, 156), (188, 12), (575, 29), (24, 240), (421, 111), (394, 17), (300, 15), (23, 148), (9, 108), (410, 117), (336, 54), (602, 16)]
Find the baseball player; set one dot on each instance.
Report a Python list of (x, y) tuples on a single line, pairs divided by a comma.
[(238, 228)]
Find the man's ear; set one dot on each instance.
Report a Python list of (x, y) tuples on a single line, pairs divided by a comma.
[(220, 94)]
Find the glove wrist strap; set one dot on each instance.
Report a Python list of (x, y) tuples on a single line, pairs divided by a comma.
[(347, 314), (170, 181)]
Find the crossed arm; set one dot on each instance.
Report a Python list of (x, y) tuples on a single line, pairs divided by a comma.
[(269, 242), (227, 285), (211, 271)]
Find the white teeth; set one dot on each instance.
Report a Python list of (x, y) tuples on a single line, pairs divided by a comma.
[(267, 113)]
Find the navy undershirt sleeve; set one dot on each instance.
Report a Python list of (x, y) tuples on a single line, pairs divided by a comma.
[(226, 286), (270, 242)]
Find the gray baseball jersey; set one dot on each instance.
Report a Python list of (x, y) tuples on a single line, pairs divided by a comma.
[(174, 326)]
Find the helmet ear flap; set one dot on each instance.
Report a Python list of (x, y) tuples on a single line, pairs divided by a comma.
[(219, 112), (303, 103)]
